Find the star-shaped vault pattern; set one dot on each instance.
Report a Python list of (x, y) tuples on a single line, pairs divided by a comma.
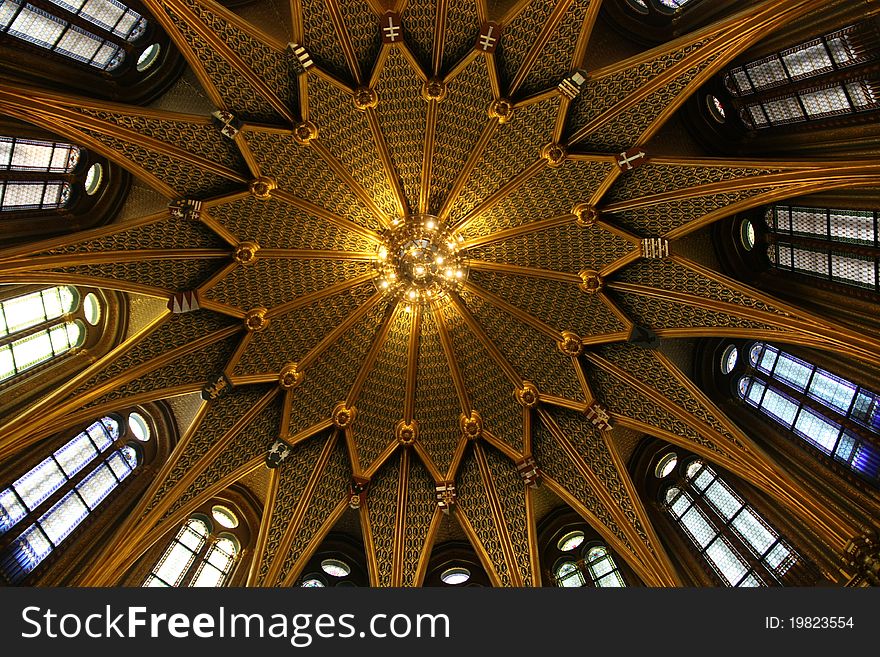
[(489, 119)]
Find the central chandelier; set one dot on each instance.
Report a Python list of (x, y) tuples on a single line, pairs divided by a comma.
[(418, 260)]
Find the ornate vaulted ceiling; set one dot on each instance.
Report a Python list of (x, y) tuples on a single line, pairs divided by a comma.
[(427, 246)]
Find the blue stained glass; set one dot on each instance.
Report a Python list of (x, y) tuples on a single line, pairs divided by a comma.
[(755, 353), (867, 461), (56, 524), (834, 391), (819, 430), (779, 407), (793, 371)]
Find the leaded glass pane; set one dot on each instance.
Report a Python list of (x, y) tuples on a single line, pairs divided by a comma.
[(726, 561), (76, 454), (208, 576), (853, 269), (59, 521), (779, 559), (174, 564), (601, 567), (856, 226), (767, 73), (193, 534), (25, 311), (33, 195), (723, 500), (866, 410), (39, 483), (11, 510), (29, 550), (698, 527), (750, 582), (795, 372), (783, 110), (808, 221), (779, 407), (753, 531), (817, 429), (7, 362), (822, 102), (32, 350), (94, 488), (755, 392), (612, 580), (807, 60), (834, 391), (568, 575)]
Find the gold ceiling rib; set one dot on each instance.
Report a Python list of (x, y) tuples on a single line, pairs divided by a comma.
[(651, 554)]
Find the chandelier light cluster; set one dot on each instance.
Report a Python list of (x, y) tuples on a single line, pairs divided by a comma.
[(418, 261)]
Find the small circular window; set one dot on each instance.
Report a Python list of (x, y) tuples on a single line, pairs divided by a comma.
[(224, 516), (666, 465), (92, 309), (570, 541), (747, 234), (729, 359), (639, 5), (148, 57), (312, 583), (139, 427), (716, 108), (335, 567), (455, 575), (94, 177)]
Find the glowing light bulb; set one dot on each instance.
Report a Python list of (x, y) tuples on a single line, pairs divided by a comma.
[(430, 225), (420, 270), (449, 272), (412, 294), (459, 273), (383, 253), (385, 284), (439, 259)]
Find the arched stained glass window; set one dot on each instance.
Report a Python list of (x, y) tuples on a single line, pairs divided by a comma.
[(596, 566), (196, 557), (838, 245), (813, 103), (826, 411), (831, 52), (37, 327), (58, 493), (33, 173), (739, 545), (603, 570), (111, 25)]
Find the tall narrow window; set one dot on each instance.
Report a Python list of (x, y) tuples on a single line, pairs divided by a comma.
[(199, 556), (591, 565), (40, 326), (824, 77), (57, 494), (838, 245), (94, 32), (738, 544), (827, 412), (812, 103), (32, 173), (831, 52)]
